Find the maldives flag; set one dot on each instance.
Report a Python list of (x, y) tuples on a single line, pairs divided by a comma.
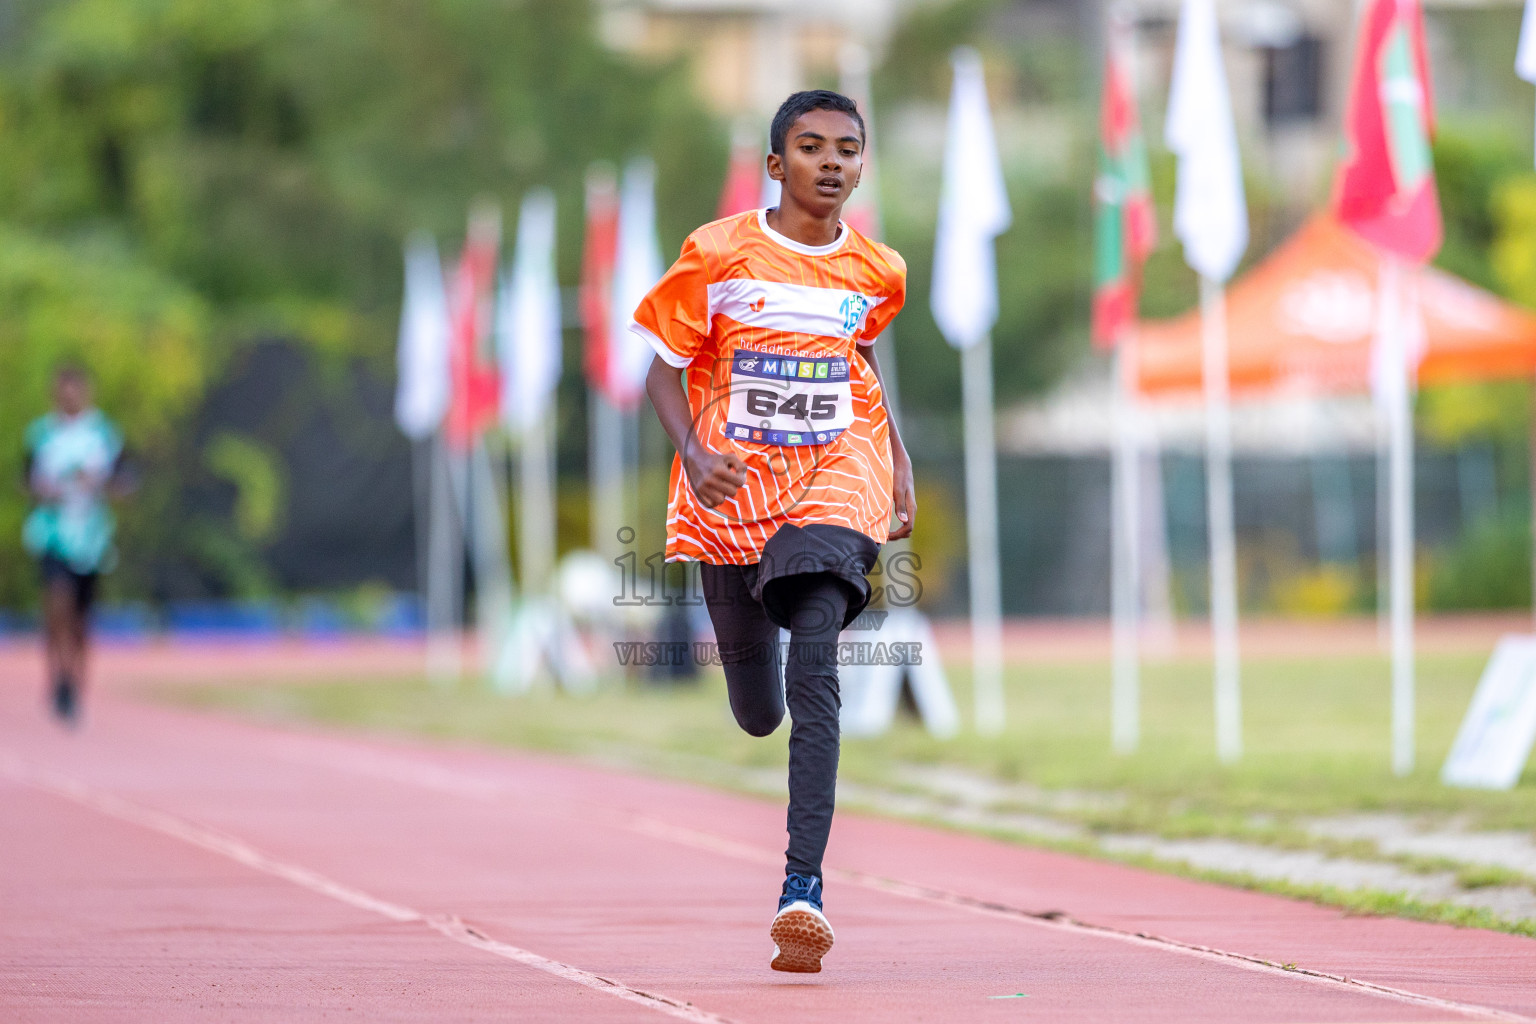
[(598, 254), (1125, 223), (743, 178), (476, 384), (1386, 187)]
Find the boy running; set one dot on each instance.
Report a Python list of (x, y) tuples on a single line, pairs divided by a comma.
[(73, 459), (788, 464)]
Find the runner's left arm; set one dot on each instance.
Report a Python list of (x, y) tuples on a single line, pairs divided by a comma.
[(903, 490), (673, 318), (714, 476), (123, 478), (27, 483)]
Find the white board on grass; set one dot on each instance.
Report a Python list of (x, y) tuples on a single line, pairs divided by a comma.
[(1496, 736), (872, 693)]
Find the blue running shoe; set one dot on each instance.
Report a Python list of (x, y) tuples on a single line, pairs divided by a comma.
[(801, 934), (66, 707)]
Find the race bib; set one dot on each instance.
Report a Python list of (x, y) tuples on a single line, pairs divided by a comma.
[(788, 400)]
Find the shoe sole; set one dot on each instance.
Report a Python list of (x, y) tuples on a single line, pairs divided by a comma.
[(803, 937)]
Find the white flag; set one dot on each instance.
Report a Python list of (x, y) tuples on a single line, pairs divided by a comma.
[(528, 317), (637, 267), (1525, 58), (973, 210), (1210, 213), (422, 391)]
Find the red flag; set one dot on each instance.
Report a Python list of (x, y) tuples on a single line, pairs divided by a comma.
[(1125, 222), (476, 385), (598, 254), (1386, 186), (743, 178)]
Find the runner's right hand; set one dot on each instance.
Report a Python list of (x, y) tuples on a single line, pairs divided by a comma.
[(714, 477)]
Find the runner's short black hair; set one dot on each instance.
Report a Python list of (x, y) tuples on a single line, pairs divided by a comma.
[(71, 370), (802, 103)]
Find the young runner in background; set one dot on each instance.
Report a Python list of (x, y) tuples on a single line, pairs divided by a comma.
[(74, 456), (788, 464)]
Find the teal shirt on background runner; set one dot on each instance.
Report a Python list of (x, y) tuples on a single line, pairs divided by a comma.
[(75, 455)]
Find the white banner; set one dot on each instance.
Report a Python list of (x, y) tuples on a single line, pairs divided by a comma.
[(1496, 736)]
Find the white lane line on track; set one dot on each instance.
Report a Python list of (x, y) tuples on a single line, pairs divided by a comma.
[(406, 768), (228, 846), (742, 851), (387, 765)]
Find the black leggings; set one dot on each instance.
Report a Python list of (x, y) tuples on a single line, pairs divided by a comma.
[(749, 649)]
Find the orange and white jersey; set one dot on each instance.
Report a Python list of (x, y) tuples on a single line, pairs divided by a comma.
[(768, 329)]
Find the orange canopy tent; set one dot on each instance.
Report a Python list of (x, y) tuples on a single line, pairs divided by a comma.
[(1304, 319)]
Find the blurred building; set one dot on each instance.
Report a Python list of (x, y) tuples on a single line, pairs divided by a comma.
[(1289, 65), (1288, 61), (747, 55)]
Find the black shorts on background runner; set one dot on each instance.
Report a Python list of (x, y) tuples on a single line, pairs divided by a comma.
[(82, 585)]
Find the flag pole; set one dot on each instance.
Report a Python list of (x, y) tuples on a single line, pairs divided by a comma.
[(1396, 298), (605, 467), (423, 397), (1383, 528), (495, 591), (973, 211), (1155, 610), (981, 530), (1125, 552), (1531, 454), (1386, 192), (637, 267), (444, 576), (456, 473), (536, 508), (629, 468), (599, 308), (528, 333), (1219, 521), (421, 519), (1211, 219)]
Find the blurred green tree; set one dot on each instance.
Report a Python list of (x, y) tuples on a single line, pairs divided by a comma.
[(142, 332), (219, 174)]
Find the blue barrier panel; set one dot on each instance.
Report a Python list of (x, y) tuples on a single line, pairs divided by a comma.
[(401, 615), (257, 619), (321, 617), (16, 625), (124, 622)]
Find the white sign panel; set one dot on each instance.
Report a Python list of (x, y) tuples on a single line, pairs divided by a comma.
[(871, 688), (1496, 736)]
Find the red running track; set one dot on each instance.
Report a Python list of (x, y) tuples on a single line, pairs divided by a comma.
[(165, 866)]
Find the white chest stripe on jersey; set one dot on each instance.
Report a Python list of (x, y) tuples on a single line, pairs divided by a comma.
[(797, 308)]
